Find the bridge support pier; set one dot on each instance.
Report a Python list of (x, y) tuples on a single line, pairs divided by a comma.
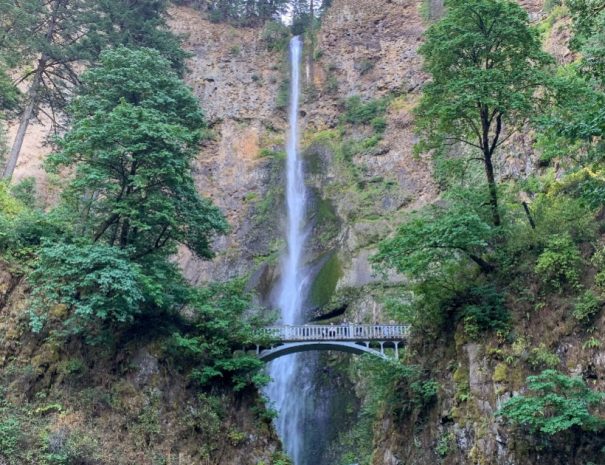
[(381, 347), (396, 349)]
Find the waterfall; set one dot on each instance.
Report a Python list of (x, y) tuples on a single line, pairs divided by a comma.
[(286, 392)]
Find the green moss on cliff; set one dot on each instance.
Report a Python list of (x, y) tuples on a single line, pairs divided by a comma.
[(325, 282)]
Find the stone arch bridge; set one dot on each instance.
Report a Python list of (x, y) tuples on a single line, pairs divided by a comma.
[(352, 338)]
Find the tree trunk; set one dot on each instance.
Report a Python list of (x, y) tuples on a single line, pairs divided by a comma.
[(485, 267), (28, 112), (528, 214), (493, 190)]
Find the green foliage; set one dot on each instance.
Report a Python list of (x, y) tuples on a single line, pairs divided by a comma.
[(25, 191), (276, 36), (245, 12), (102, 256), (359, 112), (571, 129), (142, 24), (483, 53), (9, 93), (555, 403), (555, 215), (587, 306), (445, 444), (10, 436), (135, 130), (486, 65), (97, 281), (435, 238), (542, 357), (484, 310), (22, 229), (598, 260), (223, 323), (559, 264), (399, 388)]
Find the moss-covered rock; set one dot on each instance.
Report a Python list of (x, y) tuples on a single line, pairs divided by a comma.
[(325, 281)]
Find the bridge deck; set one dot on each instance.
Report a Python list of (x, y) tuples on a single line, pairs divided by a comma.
[(342, 332)]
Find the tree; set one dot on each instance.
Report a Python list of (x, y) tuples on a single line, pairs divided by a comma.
[(130, 201), (487, 70), (436, 237), (222, 324), (60, 35), (135, 130), (141, 23), (246, 12)]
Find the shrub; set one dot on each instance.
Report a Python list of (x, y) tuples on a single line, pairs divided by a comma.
[(25, 191), (598, 260), (587, 306), (10, 437), (486, 311), (559, 263), (358, 112), (222, 325), (555, 403), (404, 388), (541, 357)]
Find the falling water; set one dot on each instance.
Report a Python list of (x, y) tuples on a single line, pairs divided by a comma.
[(286, 390)]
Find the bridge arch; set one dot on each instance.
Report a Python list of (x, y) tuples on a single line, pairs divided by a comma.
[(281, 350)]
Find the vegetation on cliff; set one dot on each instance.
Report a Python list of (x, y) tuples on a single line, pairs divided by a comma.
[(484, 258)]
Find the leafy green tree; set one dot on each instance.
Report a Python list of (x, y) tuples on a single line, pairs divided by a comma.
[(587, 16), (222, 324), (487, 67), (555, 403), (435, 238), (140, 23), (57, 36), (135, 130)]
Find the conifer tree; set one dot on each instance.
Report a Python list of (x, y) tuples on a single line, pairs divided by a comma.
[(60, 36)]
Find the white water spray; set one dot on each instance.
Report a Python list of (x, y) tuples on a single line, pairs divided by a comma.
[(285, 391)]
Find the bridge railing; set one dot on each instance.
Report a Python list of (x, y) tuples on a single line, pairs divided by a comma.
[(342, 332)]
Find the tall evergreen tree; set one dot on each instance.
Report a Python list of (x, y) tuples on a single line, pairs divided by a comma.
[(135, 130)]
